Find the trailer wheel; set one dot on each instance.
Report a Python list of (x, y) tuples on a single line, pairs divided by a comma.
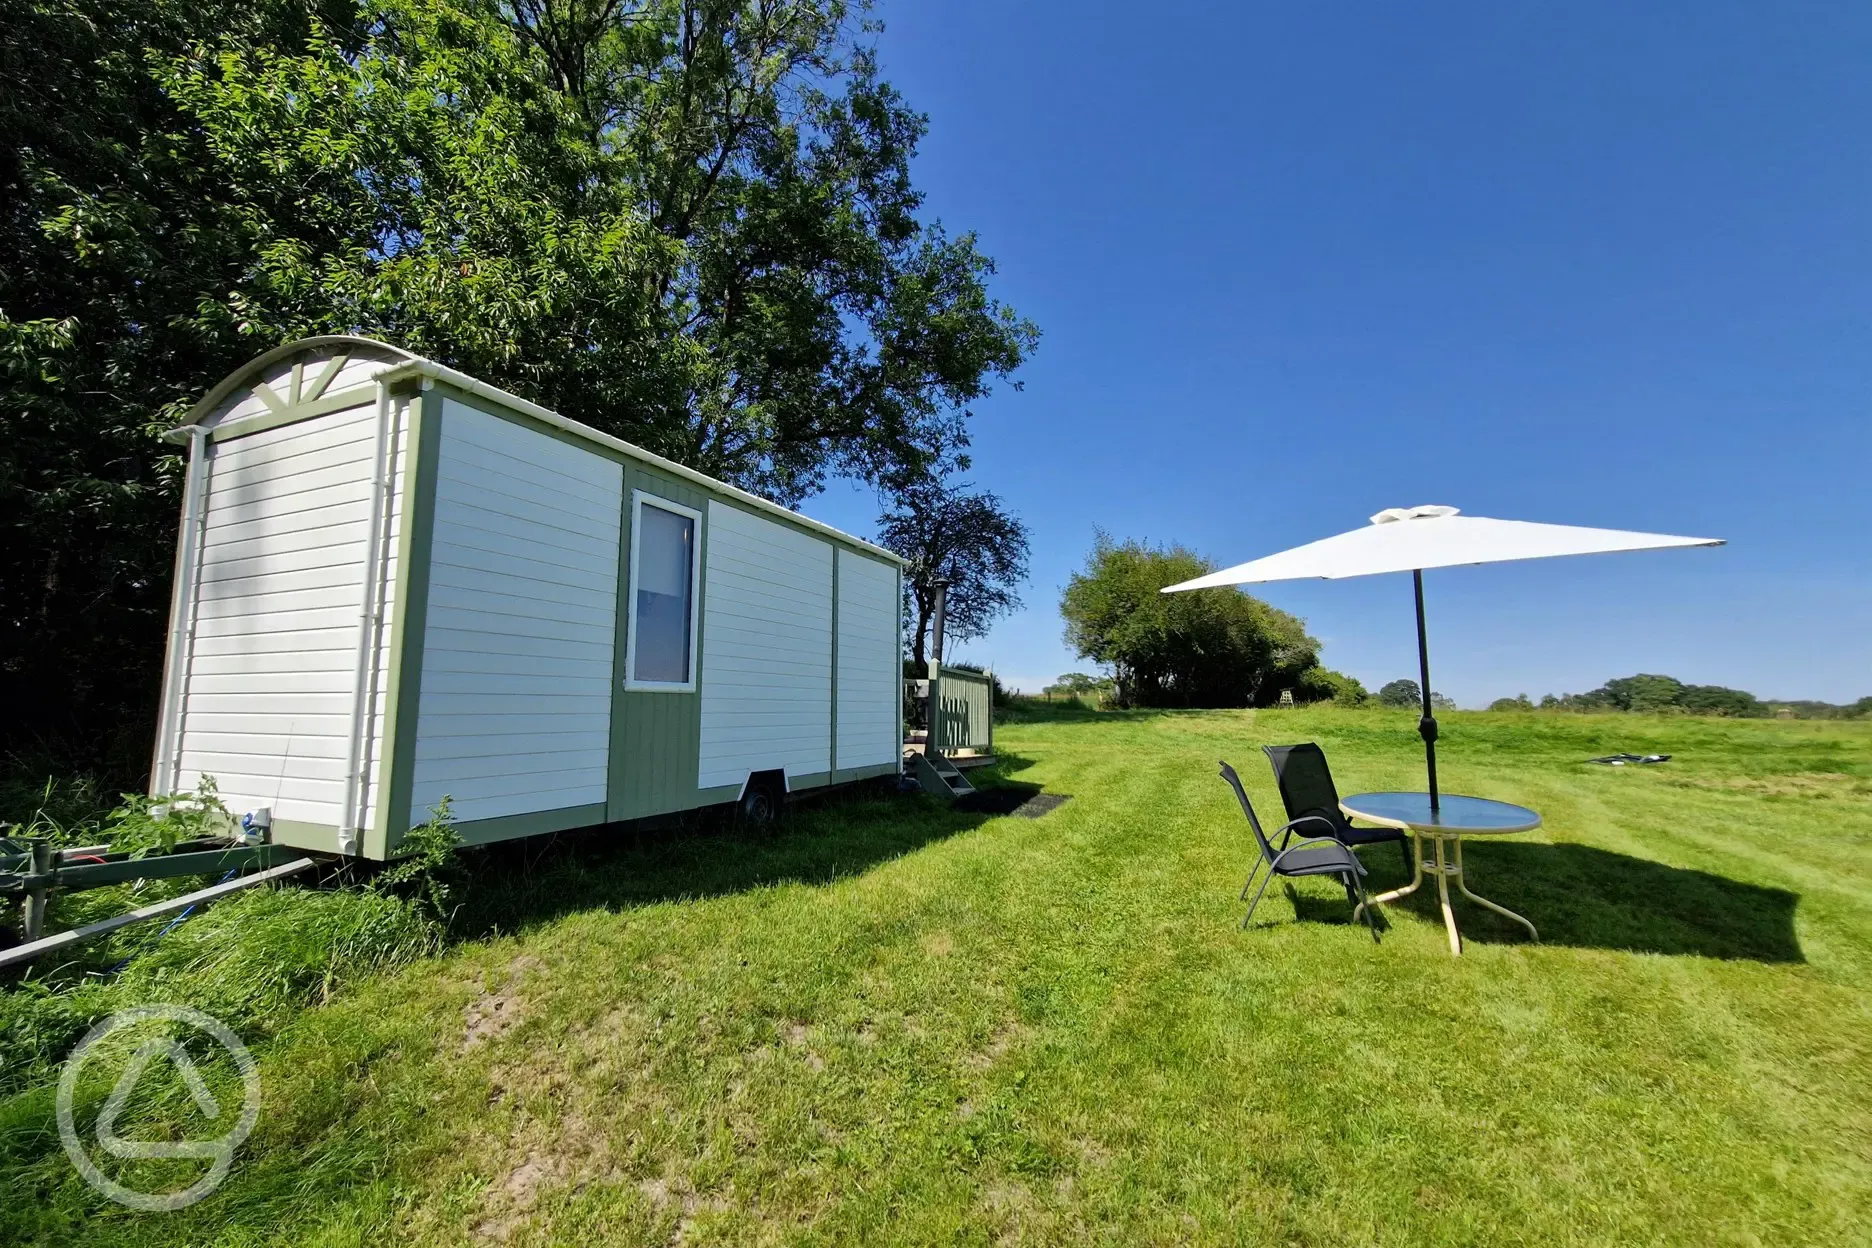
[(760, 805)]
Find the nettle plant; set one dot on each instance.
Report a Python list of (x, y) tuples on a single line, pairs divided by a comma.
[(138, 823), (152, 824)]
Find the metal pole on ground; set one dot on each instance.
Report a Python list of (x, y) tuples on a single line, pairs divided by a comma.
[(33, 908)]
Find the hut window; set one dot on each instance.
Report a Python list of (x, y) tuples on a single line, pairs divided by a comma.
[(661, 645)]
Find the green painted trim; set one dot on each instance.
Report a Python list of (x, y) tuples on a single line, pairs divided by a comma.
[(838, 557), (296, 384), (267, 396), (332, 368), (531, 823), (397, 767), (300, 835), (490, 408), (242, 377), (658, 741), (354, 396), (717, 795), (850, 774), (701, 630), (901, 740), (828, 779), (617, 756)]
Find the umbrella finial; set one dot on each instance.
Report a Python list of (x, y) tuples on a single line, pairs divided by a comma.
[(1425, 511)]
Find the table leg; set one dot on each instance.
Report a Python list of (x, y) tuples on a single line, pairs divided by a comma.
[(1462, 882), (1442, 888), (1416, 881)]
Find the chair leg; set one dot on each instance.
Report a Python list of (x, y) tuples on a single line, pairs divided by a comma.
[(1243, 895), (1371, 920), (1404, 847), (1265, 881)]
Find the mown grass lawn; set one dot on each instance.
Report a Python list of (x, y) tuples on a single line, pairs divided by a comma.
[(899, 1024)]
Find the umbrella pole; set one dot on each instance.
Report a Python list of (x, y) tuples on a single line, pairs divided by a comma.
[(1426, 726)]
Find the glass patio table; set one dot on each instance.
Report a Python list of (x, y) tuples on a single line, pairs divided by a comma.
[(1455, 817)]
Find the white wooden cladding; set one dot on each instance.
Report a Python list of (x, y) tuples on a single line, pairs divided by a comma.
[(766, 649), (269, 684), (870, 673), (517, 653)]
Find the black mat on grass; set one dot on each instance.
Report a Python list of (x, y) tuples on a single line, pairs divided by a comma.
[(1012, 799)]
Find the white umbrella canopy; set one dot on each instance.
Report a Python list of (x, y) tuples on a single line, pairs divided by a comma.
[(1410, 539)]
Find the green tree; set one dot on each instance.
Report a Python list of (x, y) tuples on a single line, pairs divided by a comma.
[(1322, 684), (1400, 693), (688, 223), (1519, 702), (1642, 692), (1717, 700), (1809, 709), (1211, 648), (1075, 684), (1096, 690), (966, 537)]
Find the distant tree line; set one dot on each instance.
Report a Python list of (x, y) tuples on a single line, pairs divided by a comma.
[(1217, 647), (1648, 693), (1802, 708)]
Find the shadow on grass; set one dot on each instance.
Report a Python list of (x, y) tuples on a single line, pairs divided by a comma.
[(519, 884), (1595, 899)]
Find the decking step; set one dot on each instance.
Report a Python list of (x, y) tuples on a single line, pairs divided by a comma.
[(938, 776)]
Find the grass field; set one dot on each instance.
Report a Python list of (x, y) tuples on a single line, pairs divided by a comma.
[(899, 1024)]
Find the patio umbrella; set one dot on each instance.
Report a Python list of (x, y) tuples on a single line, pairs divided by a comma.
[(1410, 539)]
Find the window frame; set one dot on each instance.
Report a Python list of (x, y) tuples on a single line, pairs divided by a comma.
[(639, 500)]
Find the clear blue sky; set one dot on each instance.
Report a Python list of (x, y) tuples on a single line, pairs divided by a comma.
[(1605, 264)]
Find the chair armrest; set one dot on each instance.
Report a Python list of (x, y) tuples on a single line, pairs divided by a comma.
[(1294, 823), (1317, 840)]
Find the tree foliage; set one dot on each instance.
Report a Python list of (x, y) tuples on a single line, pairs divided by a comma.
[(1216, 647), (1409, 693), (689, 223), (1083, 687), (1647, 693), (1322, 684), (1806, 708), (968, 537)]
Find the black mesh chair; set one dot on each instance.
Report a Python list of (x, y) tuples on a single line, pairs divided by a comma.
[(1307, 791), (1310, 855)]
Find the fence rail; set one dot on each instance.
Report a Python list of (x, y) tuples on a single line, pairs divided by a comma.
[(964, 710)]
